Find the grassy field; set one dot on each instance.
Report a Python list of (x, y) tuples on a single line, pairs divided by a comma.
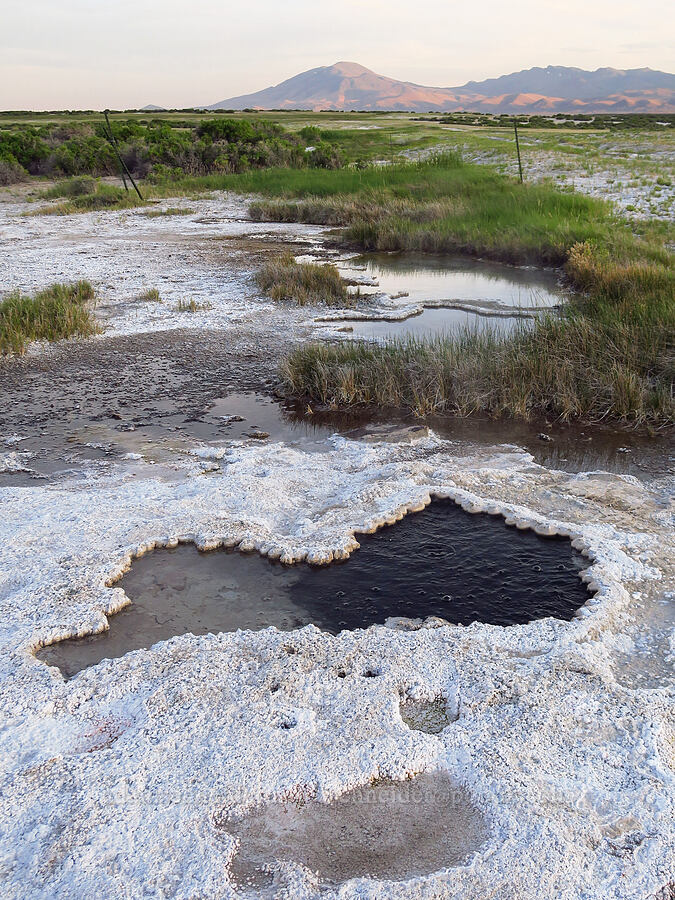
[(629, 158), (439, 206), (59, 311)]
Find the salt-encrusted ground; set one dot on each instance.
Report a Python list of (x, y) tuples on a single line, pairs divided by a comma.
[(113, 782), (117, 782), (208, 256), (632, 169)]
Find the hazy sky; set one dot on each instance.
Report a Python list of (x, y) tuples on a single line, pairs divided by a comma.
[(79, 54)]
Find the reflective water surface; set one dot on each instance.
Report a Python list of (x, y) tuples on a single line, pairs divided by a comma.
[(492, 285), (432, 323), (485, 295)]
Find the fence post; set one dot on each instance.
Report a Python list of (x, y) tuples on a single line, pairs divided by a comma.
[(520, 165), (113, 141)]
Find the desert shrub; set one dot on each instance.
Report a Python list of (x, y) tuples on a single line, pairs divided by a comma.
[(156, 149), (325, 156), (233, 131), (311, 134), (10, 171)]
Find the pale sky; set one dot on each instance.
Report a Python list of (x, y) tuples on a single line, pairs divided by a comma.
[(92, 54)]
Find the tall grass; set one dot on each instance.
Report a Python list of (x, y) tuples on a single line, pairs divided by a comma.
[(282, 278), (440, 206), (565, 370), (59, 311)]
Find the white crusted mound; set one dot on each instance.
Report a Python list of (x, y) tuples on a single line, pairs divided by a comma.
[(114, 783)]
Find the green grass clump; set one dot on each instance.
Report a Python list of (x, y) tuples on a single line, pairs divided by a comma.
[(150, 296), (282, 278), (84, 194), (170, 211), (59, 311), (70, 187)]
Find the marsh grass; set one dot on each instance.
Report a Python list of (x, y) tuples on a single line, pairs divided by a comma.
[(439, 206), (282, 278), (85, 194), (59, 311), (561, 369)]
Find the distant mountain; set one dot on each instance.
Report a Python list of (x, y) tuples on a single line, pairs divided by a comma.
[(570, 83), (152, 108), (347, 85)]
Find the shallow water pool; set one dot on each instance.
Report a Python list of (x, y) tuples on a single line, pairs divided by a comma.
[(392, 830), (442, 561), (471, 292)]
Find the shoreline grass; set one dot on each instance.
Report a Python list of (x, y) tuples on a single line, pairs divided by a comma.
[(59, 311), (446, 206), (284, 279), (562, 370)]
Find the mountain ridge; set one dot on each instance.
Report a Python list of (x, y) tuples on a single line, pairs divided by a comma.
[(349, 85)]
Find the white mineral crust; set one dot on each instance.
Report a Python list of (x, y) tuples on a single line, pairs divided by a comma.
[(114, 783)]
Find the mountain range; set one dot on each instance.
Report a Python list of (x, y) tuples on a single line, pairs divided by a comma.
[(350, 86)]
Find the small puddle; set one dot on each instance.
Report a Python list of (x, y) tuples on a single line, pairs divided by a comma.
[(489, 285), (485, 295), (251, 415), (390, 830), (442, 561)]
